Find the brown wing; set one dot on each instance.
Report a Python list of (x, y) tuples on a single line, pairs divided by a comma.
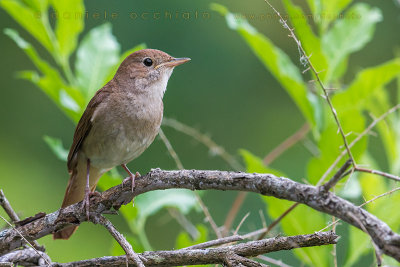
[(85, 124)]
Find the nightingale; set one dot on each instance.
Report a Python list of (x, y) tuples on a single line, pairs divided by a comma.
[(119, 123)]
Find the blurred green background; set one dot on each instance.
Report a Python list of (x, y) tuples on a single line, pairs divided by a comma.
[(224, 91)]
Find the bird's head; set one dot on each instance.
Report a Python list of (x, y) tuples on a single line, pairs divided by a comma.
[(149, 69)]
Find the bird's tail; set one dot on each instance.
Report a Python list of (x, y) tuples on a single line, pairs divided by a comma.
[(76, 191)]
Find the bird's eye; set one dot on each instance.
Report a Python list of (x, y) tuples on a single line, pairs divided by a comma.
[(148, 62)]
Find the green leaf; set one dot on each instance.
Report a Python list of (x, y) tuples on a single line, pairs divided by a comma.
[(301, 220), (366, 82), (349, 35), (51, 82), (274, 59), (97, 55), (152, 202), (57, 147), (331, 9), (68, 25), (29, 19), (114, 69)]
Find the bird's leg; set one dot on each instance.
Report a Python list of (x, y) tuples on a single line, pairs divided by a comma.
[(86, 203), (131, 176)]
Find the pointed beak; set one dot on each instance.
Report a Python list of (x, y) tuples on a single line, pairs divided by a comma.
[(174, 62)]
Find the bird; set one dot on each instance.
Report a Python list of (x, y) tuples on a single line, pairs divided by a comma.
[(118, 125)]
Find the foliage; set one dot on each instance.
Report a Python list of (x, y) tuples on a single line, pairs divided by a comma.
[(330, 46)]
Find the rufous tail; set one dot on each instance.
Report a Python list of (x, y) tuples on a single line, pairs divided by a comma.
[(76, 191)]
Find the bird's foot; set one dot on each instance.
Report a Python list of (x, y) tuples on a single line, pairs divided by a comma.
[(86, 201), (132, 179)]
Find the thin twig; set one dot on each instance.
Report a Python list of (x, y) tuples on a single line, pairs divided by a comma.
[(26, 241), (234, 210), (7, 207), (384, 174), (217, 242), (268, 159), (277, 220), (241, 223), (171, 150), (273, 261), (377, 250), (126, 246), (14, 217), (306, 58), (356, 140), (285, 145), (205, 140), (336, 178), (179, 164), (363, 204), (184, 222)]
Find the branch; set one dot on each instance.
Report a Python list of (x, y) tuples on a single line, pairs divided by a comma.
[(26, 257), (265, 184), (215, 255)]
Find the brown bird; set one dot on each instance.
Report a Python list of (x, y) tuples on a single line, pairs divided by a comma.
[(119, 123)]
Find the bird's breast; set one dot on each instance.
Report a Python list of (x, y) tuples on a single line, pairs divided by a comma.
[(121, 133)]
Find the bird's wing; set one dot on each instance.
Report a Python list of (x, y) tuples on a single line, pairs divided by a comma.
[(84, 125)]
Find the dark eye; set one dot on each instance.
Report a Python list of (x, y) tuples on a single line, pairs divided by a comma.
[(148, 62)]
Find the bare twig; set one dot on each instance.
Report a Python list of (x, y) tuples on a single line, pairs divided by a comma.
[(363, 204), (241, 223), (14, 217), (305, 58), (205, 140), (209, 218), (241, 196), (338, 175), (377, 250), (384, 174), (217, 242), (356, 140), (126, 246), (273, 261), (189, 227), (274, 154), (285, 145), (171, 150), (277, 220), (234, 260), (7, 207), (179, 164), (213, 255)]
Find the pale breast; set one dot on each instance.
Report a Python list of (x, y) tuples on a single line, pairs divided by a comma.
[(121, 133)]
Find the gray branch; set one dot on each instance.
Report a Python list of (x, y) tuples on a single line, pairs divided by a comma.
[(223, 255), (26, 257), (266, 184)]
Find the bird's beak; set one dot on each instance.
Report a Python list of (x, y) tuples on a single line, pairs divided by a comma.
[(173, 62)]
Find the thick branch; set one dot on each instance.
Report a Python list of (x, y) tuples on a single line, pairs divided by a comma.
[(214, 255), (265, 184)]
